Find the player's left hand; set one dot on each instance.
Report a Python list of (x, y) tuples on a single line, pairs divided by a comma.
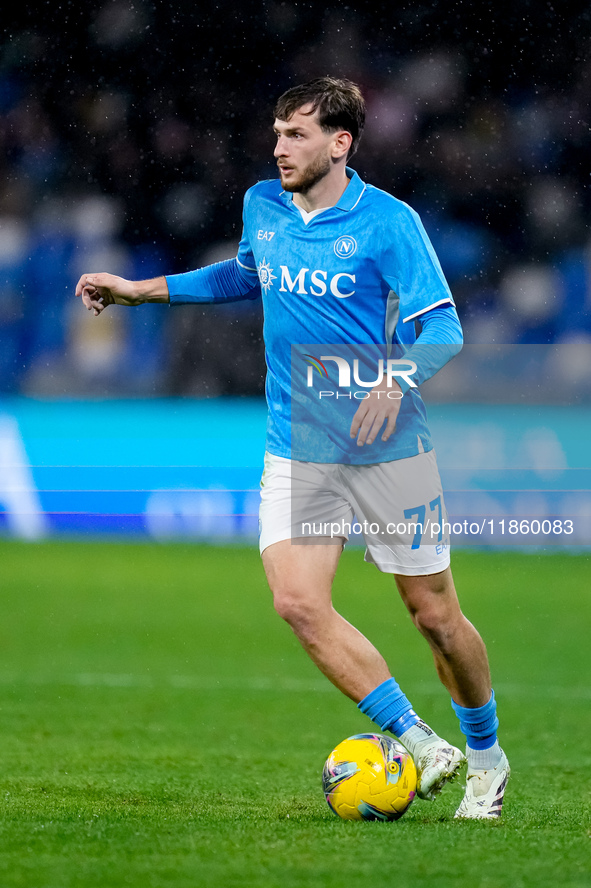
[(381, 407), (101, 289)]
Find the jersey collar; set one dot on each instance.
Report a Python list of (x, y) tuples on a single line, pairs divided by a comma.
[(349, 198), (352, 193)]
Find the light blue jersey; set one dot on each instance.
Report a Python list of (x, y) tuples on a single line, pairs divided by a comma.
[(357, 273)]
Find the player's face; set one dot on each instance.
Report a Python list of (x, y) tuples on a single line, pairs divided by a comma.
[(303, 151)]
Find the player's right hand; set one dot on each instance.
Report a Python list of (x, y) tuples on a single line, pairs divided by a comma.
[(100, 289)]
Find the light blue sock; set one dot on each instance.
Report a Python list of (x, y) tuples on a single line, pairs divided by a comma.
[(480, 724), (389, 708)]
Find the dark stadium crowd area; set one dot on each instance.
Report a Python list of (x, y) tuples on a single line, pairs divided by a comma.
[(129, 132)]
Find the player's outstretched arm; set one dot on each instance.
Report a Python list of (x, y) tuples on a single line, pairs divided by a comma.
[(97, 290)]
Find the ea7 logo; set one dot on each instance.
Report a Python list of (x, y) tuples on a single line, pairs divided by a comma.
[(319, 283), (265, 235)]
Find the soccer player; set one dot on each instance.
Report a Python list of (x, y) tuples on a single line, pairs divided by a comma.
[(342, 264)]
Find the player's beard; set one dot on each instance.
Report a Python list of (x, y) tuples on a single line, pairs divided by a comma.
[(310, 176)]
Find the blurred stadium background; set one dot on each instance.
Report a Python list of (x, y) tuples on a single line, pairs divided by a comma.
[(129, 132)]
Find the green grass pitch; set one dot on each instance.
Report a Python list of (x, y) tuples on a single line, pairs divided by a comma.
[(160, 727)]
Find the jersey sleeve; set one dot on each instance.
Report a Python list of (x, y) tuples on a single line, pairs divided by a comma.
[(222, 282), (410, 266), (439, 341), (245, 257), (228, 281)]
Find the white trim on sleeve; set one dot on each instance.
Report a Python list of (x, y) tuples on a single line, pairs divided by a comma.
[(247, 267), (411, 317)]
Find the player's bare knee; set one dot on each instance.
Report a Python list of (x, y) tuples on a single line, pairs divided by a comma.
[(286, 605), (437, 626), (295, 607)]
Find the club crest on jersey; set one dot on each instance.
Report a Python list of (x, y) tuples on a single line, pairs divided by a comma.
[(345, 246), (266, 276)]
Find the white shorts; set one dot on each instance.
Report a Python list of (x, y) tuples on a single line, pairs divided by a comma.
[(397, 507)]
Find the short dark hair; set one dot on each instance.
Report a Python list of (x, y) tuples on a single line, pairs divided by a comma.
[(339, 103)]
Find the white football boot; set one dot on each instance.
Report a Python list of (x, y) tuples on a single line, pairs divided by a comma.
[(484, 792), (437, 763)]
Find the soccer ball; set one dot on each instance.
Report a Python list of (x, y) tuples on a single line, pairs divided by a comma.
[(369, 777)]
